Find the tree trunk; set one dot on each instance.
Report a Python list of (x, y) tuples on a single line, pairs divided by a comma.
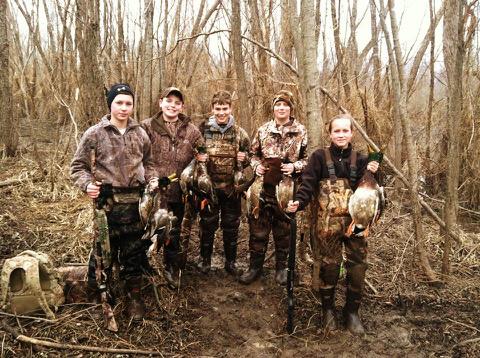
[(8, 134), (120, 43), (314, 119), (431, 98), (400, 97), (243, 112), (91, 79), (148, 105), (453, 53), (375, 56), (261, 80), (163, 49), (339, 50)]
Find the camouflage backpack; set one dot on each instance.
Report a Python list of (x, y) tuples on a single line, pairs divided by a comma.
[(29, 282)]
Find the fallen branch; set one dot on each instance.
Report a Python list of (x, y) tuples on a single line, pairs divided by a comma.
[(399, 174), (40, 342), (11, 182), (463, 343), (375, 291)]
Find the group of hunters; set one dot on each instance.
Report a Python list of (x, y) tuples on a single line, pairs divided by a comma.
[(127, 156)]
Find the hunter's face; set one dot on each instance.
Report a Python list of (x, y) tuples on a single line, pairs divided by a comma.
[(221, 112), (341, 132), (281, 111), (171, 107), (122, 107)]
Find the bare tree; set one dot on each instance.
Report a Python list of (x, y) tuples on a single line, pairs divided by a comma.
[(8, 133), (453, 53), (400, 97), (314, 119), (90, 75), (244, 116), (148, 105)]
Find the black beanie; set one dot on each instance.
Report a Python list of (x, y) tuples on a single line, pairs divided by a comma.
[(116, 89)]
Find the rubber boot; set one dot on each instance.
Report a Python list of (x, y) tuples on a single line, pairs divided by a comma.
[(254, 272), (230, 249), (204, 264), (329, 318), (136, 307), (350, 312)]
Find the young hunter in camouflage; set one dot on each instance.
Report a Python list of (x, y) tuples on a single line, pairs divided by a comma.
[(226, 145), (279, 148), (175, 140), (330, 177), (117, 152)]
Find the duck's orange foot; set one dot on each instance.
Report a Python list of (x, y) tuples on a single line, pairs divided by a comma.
[(350, 229)]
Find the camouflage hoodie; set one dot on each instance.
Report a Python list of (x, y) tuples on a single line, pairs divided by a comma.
[(172, 152), (287, 142), (121, 159)]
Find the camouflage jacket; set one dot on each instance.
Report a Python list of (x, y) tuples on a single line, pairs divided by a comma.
[(222, 150), (172, 153), (288, 142), (124, 160)]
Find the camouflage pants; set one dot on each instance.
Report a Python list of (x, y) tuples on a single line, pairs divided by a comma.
[(270, 219), (227, 211), (172, 248), (327, 254), (125, 231)]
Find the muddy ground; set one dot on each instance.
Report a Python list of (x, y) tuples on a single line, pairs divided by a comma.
[(213, 315)]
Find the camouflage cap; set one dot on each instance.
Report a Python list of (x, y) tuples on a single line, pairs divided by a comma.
[(172, 90), (285, 96)]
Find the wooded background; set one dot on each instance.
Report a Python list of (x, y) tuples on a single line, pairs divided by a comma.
[(417, 101)]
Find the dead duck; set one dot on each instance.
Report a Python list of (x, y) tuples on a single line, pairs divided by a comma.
[(158, 228), (204, 184), (146, 202), (186, 178), (284, 191), (253, 196), (365, 205)]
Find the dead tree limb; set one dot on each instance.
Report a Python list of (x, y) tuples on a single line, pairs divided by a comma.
[(40, 342), (397, 172)]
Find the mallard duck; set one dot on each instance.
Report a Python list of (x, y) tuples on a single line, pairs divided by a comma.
[(365, 205), (253, 197), (186, 178), (203, 183), (284, 191), (158, 228), (146, 202)]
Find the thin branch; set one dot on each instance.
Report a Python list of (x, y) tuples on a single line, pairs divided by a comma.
[(267, 49)]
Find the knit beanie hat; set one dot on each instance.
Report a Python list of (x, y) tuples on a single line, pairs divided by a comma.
[(116, 89)]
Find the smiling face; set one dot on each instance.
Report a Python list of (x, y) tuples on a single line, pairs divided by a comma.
[(171, 106), (281, 111), (221, 112), (122, 108), (341, 132)]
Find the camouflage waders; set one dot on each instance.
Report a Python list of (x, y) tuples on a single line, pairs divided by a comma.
[(229, 210), (330, 219), (271, 219)]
